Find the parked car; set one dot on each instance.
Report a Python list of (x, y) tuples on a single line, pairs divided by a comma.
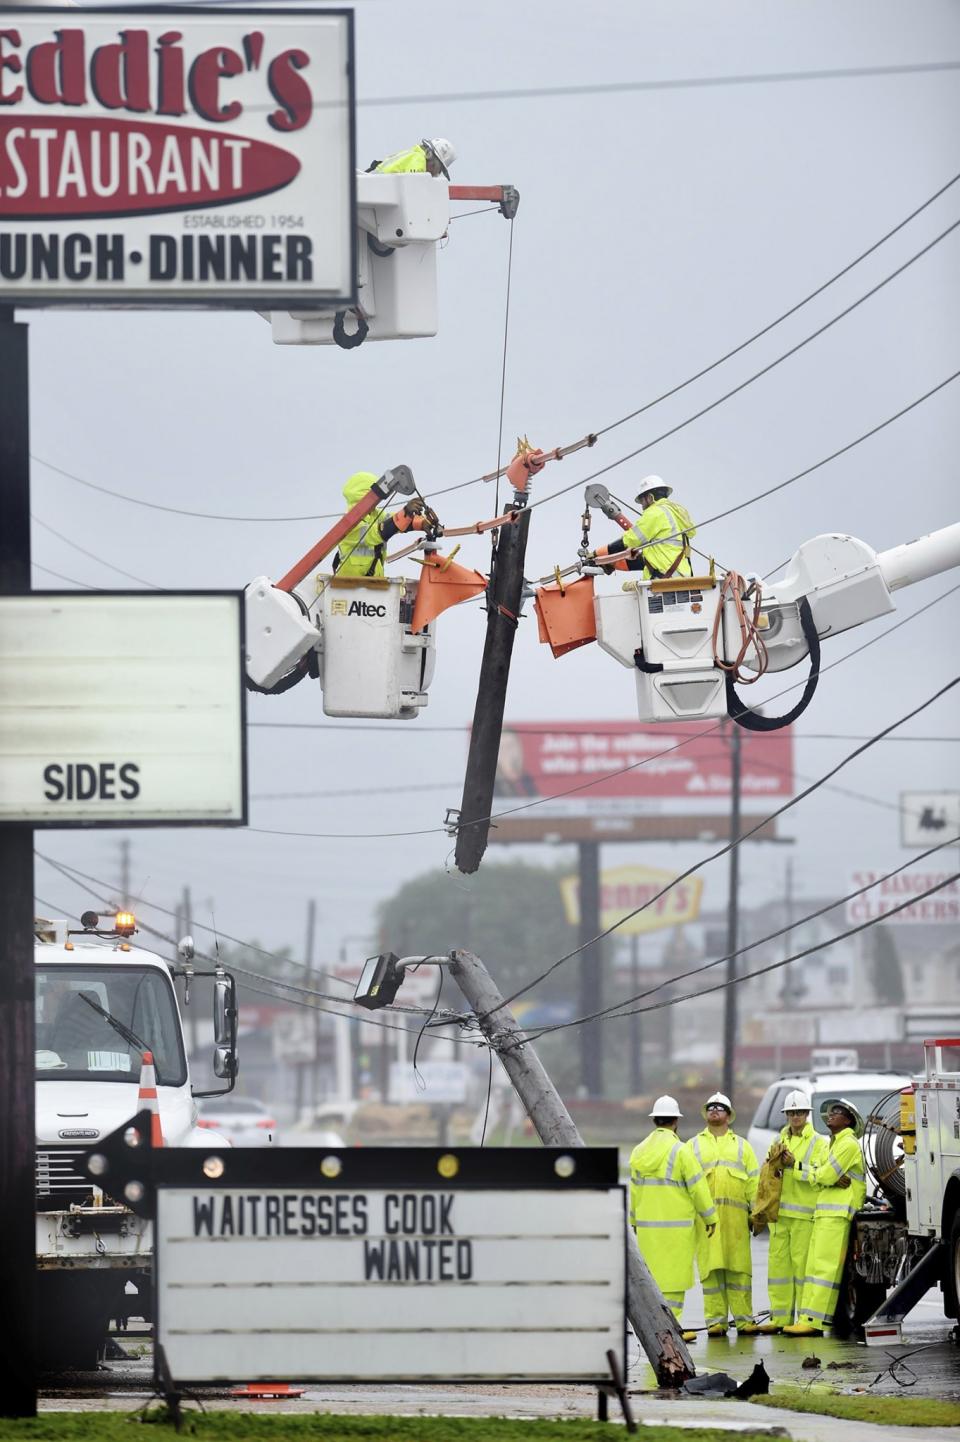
[(864, 1088), (242, 1120)]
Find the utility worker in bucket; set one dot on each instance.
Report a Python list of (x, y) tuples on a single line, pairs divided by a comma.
[(841, 1189), (723, 1257), (433, 156), (668, 1192), (363, 548), (663, 529), (790, 1234)]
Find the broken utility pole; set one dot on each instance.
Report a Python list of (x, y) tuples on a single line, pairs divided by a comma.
[(504, 596), (650, 1317)]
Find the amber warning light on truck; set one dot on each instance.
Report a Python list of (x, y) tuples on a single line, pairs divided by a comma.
[(188, 157)]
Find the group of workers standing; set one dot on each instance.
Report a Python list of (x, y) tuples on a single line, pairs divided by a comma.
[(695, 1200)]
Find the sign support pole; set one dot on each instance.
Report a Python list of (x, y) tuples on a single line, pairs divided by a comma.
[(18, 1367), (591, 968), (650, 1317)]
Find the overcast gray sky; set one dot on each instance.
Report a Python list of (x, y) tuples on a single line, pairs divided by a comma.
[(656, 230)]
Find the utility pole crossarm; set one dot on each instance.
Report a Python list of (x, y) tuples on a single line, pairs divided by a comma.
[(649, 1315)]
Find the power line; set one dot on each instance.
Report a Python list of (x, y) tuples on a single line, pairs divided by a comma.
[(617, 1009), (773, 966), (739, 840), (559, 728), (92, 555), (84, 585)]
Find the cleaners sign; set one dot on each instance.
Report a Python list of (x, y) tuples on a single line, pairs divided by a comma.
[(166, 156), (108, 718), (378, 1263)]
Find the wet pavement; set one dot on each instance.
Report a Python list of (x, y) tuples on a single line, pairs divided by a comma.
[(928, 1365)]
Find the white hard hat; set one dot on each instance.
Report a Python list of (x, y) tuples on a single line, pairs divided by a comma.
[(796, 1102), (444, 152), (723, 1101), (826, 1106), (666, 1107), (653, 483)]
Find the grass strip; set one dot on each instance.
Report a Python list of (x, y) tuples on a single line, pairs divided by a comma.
[(327, 1427), (905, 1411)]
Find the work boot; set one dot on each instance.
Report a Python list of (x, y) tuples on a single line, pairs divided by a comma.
[(689, 1336), (747, 1329), (769, 1327), (802, 1329), (718, 1329)]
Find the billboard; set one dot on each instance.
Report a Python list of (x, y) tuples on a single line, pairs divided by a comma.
[(625, 888), (928, 818), (622, 768), (122, 709), (942, 907), (177, 156)]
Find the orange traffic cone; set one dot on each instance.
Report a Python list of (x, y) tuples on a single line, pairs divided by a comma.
[(565, 615), (267, 1391), (441, 586), (147, 1099)]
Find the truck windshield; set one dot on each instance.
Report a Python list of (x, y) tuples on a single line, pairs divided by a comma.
[(76, 1042)]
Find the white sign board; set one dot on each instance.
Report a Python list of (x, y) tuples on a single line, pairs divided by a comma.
[(122, 709), (928, 818), (177, 156), (443, 1082), (942, 907), (377, 1285)]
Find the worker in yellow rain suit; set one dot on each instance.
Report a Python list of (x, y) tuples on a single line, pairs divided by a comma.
[(668, 1192), (664, 529), (723, 1259), (363, 548), (433, 156), (841, 1189), (790, 1234)]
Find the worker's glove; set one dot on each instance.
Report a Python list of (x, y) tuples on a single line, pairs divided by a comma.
[(413, 507), (756, 1226), (843, 1182), (710, 1227)]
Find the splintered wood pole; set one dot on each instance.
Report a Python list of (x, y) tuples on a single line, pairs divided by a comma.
[(503, 609), (650, 1317)]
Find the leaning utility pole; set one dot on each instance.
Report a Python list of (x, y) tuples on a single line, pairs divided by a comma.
[(650, 1317), (504, 595)]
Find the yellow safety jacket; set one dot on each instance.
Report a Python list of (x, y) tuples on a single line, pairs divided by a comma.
[(730, 1166), (844, 1158), (362, 548), (660, 530), (405, 160), (798, 1197), (667, 1193)]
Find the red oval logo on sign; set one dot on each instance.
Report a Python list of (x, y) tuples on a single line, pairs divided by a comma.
[(67, 168)]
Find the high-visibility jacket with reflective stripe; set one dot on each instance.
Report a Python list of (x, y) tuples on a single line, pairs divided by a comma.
[(361, 551), (730, 1166), (404, 161), (668, 1192), (844, 1158), (798, 1197), (658, 530)]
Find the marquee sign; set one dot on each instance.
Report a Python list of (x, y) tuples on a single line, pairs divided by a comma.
[(174, 156), (380, 1264), (120, 709)]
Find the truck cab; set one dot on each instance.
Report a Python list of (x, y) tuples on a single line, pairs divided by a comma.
[(101, 1003)]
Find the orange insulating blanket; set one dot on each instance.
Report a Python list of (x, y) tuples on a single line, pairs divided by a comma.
[(565, 615), (442, 585)]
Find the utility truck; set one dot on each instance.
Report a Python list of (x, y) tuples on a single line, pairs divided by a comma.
[(101, 1003), (906, 1239)]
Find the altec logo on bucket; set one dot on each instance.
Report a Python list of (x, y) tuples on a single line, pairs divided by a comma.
[(196, 118)]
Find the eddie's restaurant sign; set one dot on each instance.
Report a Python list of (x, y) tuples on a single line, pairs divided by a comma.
[(163, 156)]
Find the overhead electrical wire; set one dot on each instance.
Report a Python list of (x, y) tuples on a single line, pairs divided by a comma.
[(75, 546), (724, 850), (617, 1009), (763, 970), (84, 585), (572, 727), (214, 516)]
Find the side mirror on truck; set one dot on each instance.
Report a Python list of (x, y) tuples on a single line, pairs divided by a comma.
[(225, 1026)]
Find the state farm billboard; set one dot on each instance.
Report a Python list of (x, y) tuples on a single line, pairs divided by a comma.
[(169, 156), (622, 768)]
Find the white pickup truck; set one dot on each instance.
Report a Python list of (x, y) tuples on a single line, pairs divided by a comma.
[(101, 1002)]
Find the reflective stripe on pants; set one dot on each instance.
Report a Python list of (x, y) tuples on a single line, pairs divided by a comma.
[(825, 1259), (727, 1293), (674, 1301), (787, 1266)]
